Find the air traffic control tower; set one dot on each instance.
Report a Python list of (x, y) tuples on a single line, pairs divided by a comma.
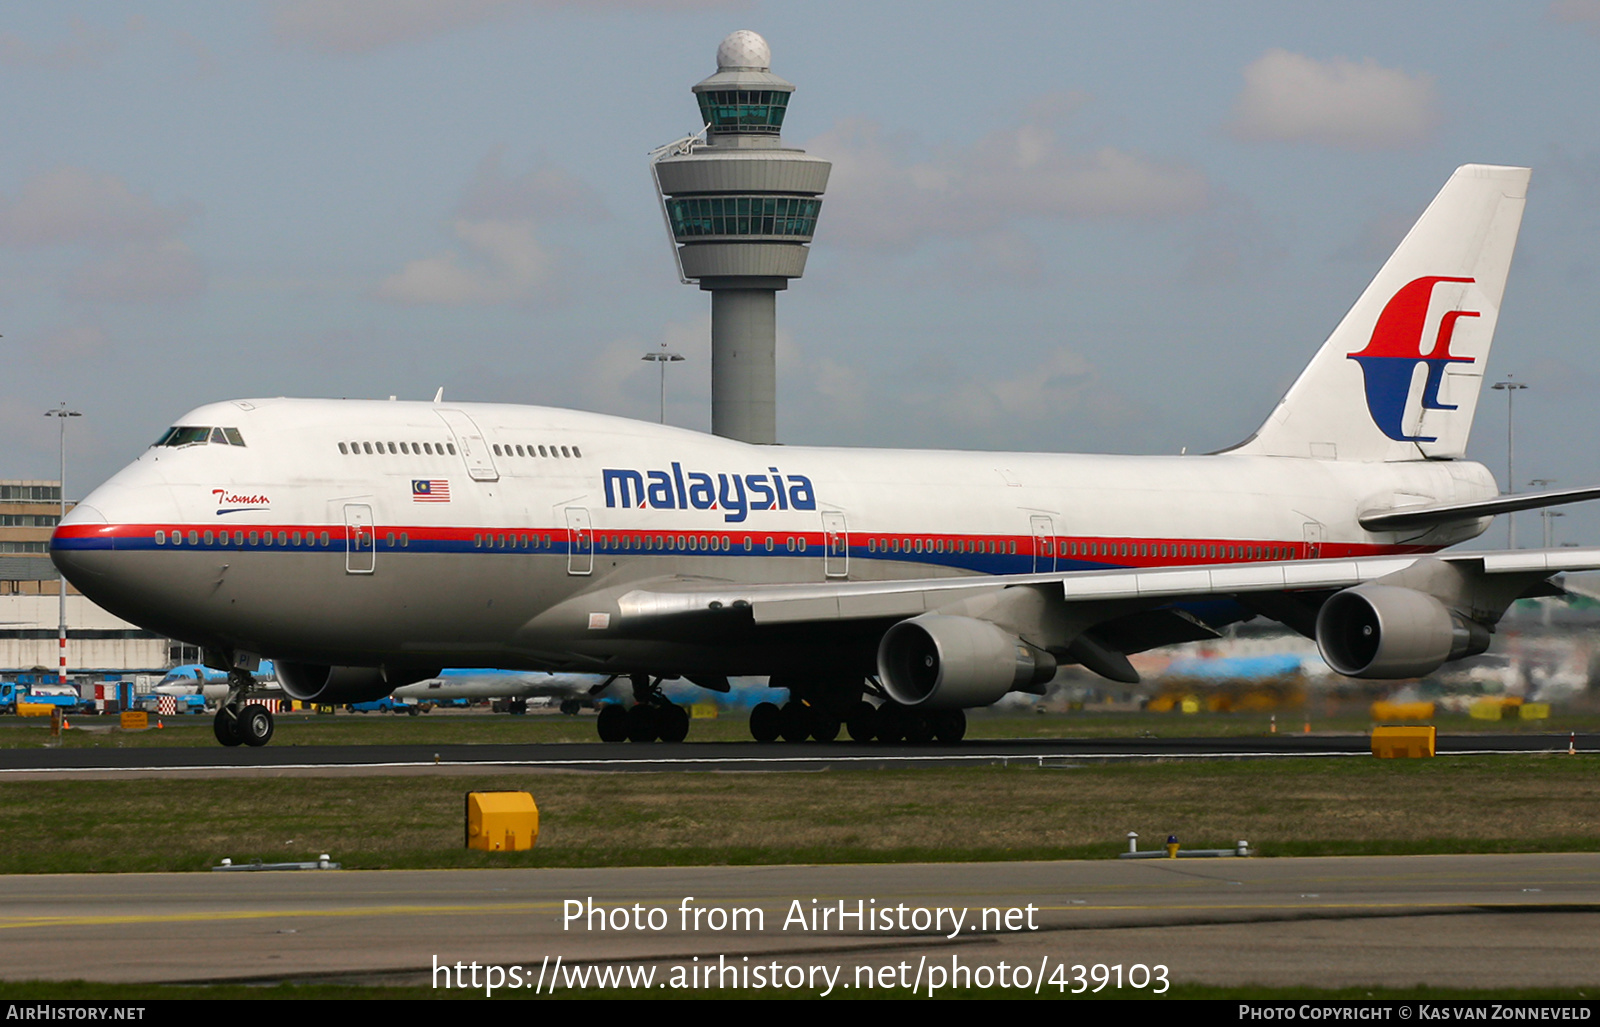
[(741, 208)]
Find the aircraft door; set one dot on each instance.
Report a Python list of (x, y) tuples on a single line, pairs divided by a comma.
[(469, 440), (836, 546), (360, 539), (580, 541), (1044, 544), (1313, 538)]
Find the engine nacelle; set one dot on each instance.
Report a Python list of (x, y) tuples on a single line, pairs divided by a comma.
[(334, 686), (1383, 631), (943, 663)]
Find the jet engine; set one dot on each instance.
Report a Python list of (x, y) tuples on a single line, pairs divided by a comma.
[(333, 686), (936, 662), (1383, 631)]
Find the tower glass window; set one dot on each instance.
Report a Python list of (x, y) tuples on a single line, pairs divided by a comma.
[(756, 111)]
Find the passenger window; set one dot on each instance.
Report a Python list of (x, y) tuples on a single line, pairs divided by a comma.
[(564, 451), (344, 449), (497, 449), (161, 538), (452, 447), (542, 452), (194, 538), (208, 537), (575, 452)]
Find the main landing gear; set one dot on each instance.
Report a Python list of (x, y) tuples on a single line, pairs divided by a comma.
[(651, 717), (238, 722), (819, 709)]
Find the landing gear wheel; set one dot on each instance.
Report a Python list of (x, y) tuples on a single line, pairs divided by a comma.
[(794, 721), (919, 728), (570, 707), (766, 720), (227, 728), (255, 725), (950, 726), (519, 707), (891, 723), (674, 723), (824, 726), (643, 723), (863, 722), (612, 723)]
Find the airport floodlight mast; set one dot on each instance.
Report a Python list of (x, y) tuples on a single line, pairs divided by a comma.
[(61, 413), (1510, 388), (741, 208), (662, 358)]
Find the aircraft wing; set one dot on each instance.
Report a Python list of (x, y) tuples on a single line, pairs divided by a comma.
[(852, 600)]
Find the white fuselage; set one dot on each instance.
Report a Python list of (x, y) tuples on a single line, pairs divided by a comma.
[(360, 531)]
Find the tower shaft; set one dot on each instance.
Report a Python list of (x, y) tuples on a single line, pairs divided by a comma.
[(744, 368)]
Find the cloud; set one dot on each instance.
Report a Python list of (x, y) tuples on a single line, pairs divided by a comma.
[(1585, 13), (163, 270), (71, 343), (881, 196), (71, 205), (360, 26), (496, 222), (504, 264), (87, 46), (545, 192), (1289, 97)]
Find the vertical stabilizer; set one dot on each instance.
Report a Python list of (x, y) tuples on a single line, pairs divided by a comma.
[(1399, 378)]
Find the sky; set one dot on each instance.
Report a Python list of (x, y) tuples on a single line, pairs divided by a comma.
[(1050, 226)]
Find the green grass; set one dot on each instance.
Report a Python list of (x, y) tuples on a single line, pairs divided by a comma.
[(1514, 803)]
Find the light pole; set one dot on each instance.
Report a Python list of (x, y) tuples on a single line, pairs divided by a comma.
[(663, 358), (1510, 388), (1544, 512), (61, 413)]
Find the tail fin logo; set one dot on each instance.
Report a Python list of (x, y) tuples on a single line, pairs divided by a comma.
[(1391, 357)]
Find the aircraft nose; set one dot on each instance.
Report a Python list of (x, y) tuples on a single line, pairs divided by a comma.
[(92, 544)]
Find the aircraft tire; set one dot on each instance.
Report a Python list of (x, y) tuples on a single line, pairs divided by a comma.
[(255, 725), (919, 728), (794, 723), (950, 726), (824, 726), (227, 729), (766, 721), (612, 723), (892, 722), (674, 723), (644, 724), (863, 722)]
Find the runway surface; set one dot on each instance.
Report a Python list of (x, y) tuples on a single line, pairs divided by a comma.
[(1481, 922), (736, 755)]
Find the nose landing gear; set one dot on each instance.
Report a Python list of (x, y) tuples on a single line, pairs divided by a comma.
[(238, 722)]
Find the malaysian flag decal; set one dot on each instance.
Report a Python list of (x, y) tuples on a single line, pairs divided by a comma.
[(430, 490)]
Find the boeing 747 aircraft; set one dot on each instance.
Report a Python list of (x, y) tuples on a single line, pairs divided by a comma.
[(363, 545)]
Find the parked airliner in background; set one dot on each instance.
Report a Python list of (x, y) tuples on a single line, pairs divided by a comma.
[(208, 682), (573, 690), (364, 545)]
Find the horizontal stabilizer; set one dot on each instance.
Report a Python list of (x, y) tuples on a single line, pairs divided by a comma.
[(1406, 517)]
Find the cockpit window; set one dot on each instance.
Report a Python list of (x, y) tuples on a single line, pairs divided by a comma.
[(186, 435)]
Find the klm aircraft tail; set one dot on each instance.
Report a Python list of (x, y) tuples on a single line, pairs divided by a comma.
[(1399, 378)]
